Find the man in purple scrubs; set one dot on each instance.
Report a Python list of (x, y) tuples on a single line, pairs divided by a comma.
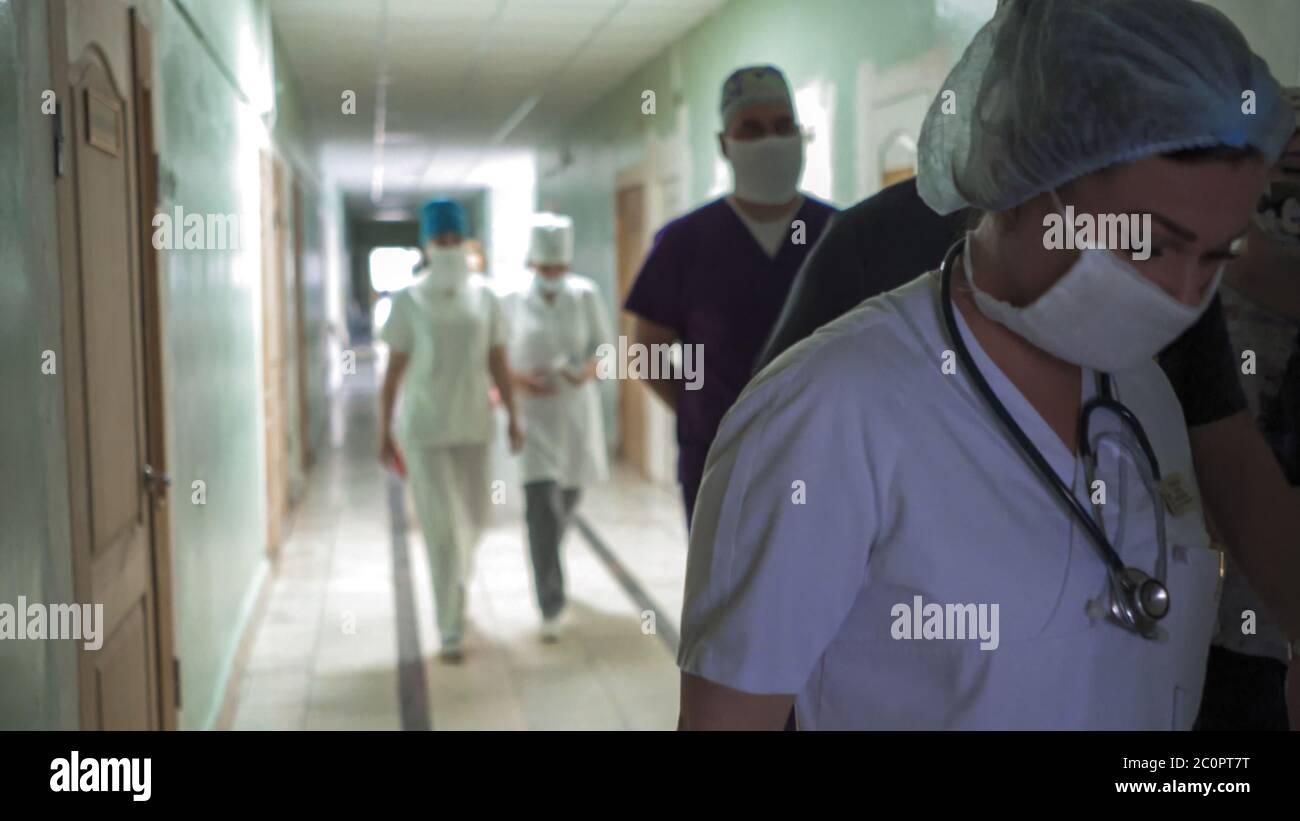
[(718, 276)]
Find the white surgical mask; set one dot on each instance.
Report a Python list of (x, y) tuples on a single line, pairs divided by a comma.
[(766, 171), (448, 267), (550, 286), (1102, 314)]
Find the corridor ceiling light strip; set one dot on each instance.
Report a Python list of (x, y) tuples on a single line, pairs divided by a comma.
[(524, 109), (381, 107)]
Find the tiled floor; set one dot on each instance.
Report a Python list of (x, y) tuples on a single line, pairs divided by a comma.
[(644, 526), (326, 653)]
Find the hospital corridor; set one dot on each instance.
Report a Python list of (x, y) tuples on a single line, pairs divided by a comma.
[(345, 638), (519, 367)]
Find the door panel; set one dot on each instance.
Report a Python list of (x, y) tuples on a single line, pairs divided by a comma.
[(112, 361), (125, 663), (300, 333), (112, 551), (155, 443), (629, 218), (273, 354)]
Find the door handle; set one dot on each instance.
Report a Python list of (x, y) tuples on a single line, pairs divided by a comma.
[(156, 481)]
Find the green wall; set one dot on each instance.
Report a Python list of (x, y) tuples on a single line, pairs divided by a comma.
[(34, 557), (213, 75), (324, 263), (207, 139), (1272, 27), (324, 244)]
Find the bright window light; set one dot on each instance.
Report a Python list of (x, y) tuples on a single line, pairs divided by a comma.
[(510, 178), (814, 103), (392, 268)]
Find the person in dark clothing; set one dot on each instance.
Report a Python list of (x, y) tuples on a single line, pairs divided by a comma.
[(716, 278)]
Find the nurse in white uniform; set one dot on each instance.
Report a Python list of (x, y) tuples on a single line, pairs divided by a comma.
[(969, 503), (557, 324), (446, 337)]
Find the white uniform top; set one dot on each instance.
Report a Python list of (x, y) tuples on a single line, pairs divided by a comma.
[(445, 395), (853, 475), (564, 432)]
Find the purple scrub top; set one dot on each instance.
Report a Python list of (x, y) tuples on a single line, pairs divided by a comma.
[(707, 278)]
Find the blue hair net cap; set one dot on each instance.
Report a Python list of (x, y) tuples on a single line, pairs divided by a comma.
[(440, 217), (1051, 90)]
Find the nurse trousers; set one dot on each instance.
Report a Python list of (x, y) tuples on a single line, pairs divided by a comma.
[(548, 509), (450, 489)]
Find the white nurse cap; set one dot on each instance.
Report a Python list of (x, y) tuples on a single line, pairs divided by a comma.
[(551, 241)]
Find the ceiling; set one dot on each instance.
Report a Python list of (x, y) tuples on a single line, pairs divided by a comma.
[(443, 85)]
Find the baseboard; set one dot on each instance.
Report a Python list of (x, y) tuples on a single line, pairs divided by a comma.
[(225, 719)]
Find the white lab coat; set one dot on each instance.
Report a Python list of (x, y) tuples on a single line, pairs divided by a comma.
[(564, 432), (853, 475)]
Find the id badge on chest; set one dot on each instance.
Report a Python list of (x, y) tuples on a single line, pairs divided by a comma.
[(1178, 495)]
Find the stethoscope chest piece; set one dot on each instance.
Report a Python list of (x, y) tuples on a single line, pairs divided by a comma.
[(1135, 600), (1138, 601)]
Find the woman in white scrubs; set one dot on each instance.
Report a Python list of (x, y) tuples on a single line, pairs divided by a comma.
[(446, 337), (919, 518), (557, 325)]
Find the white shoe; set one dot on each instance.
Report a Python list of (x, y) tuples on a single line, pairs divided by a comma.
[(551, 630)]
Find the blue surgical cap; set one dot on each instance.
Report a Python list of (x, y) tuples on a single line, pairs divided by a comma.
[(441, 217), (1051, 90)]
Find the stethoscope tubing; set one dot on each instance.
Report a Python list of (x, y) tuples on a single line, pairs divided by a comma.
[(1063, 492), (1105, 401)]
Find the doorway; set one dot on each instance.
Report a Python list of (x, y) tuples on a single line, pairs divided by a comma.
[(106, 193), (300, 333), (629, 226), (275, 369)]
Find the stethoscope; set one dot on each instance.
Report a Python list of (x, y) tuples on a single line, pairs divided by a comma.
[(1136, 601)]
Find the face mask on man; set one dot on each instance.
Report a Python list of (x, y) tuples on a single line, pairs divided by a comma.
[(448, 267), (767, 170), (1101, 314)]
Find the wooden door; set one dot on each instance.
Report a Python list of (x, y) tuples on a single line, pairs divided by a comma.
[(892, 175), (273, 351), (300, 332), (152, 336), (629, 222), (103, 363)]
